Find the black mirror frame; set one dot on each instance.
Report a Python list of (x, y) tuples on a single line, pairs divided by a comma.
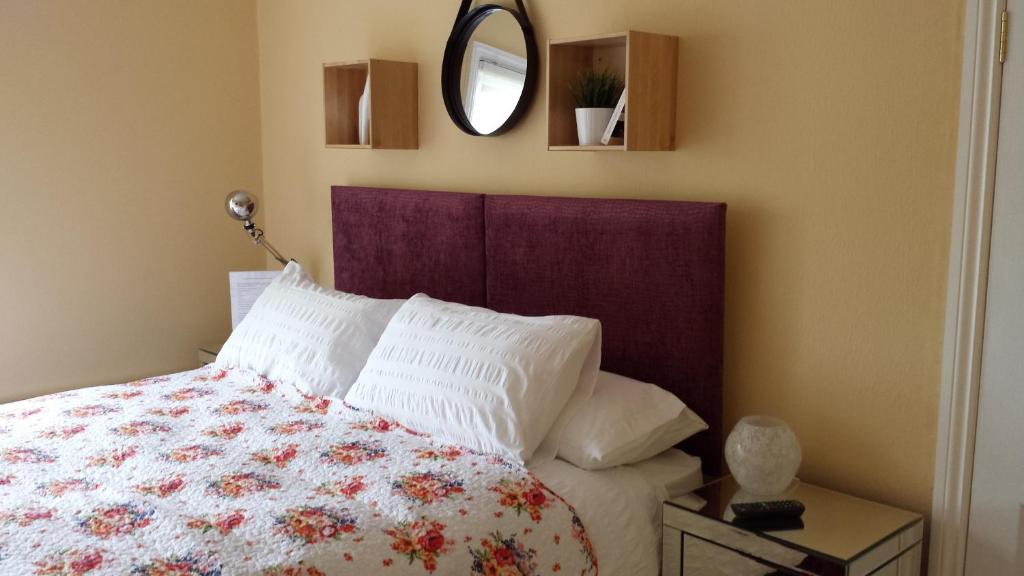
[(455, 50)]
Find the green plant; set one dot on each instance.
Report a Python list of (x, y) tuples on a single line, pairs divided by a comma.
[(593, 89)]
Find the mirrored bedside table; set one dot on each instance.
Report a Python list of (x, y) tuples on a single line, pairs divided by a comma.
[(207, 354), (842, 536)]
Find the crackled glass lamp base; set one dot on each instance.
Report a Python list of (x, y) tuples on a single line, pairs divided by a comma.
[(763, 455)]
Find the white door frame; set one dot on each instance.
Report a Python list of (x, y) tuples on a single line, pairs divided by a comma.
[(981, 83)]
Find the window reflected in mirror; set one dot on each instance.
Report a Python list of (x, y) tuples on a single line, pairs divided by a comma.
[(494, 80)]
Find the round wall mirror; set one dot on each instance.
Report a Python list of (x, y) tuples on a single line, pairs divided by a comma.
[(490, 68)]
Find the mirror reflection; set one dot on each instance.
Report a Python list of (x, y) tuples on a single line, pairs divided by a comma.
[(493, 71)]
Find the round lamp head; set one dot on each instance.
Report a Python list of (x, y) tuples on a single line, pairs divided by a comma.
[(241, 205)]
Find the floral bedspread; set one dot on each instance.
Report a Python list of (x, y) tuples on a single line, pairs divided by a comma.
[(216, 472)]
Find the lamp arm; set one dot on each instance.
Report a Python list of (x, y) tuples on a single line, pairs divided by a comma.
[(273, 251), (259, 240)]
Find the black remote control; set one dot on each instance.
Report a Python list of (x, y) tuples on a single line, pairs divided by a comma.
[(775, 523), (747, 511)]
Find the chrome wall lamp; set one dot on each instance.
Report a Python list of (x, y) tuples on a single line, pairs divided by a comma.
[(241, 206)]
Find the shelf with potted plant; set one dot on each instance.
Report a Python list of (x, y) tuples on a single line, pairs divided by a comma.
[(371, 104), (646, 65)]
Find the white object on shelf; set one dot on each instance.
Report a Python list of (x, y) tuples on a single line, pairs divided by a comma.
[(616, 114), (364, 113), (246, 287), (590, 124), (763, 455)]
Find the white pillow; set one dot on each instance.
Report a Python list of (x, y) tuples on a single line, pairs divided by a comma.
[(626, 421), (673, 472), (493, 382), (300, 333)]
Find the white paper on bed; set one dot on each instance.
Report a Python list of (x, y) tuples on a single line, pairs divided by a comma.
[(246, 287)]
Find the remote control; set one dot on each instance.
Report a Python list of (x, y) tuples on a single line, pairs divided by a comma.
[(766, 510), (772, 524)]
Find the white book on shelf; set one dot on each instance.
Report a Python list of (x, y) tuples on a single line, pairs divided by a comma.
[(616, 114)]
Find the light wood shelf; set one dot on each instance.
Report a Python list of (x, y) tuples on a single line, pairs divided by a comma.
[(647, 63), (394, 114), (597, 148)]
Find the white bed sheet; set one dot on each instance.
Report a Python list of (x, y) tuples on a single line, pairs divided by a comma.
[(621, 508)]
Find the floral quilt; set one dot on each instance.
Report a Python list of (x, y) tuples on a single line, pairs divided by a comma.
[(215, 472)]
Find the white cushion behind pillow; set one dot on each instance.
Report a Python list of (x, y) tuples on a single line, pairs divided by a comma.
[(300, 333), (493, 382), (625, 421)]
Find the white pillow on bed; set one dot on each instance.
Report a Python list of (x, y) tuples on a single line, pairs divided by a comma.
[(673, 471), (626, 421), (492, 382), (300, 333)]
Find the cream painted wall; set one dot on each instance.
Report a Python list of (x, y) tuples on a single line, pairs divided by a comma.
[(123, 124), (828, 128)]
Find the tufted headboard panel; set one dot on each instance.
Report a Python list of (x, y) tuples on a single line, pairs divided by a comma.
[(395, 243), (652, 272)]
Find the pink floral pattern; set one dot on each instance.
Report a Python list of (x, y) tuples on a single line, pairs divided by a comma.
[(295, 427), (225, 431), (63, 433), (422, 540), (70, 562), (26, 456), (191, 453), (300, 569), (91, 410), (447, 453), (264, 386), (141, 427), (500, 555), (314, 405), (216, 472), (523, 495), (352, 453), (112, 521), (192, 564), (186, 394), (315, 524), (61, 487), (123, 395), (222, 523), (279, 457), (242, 484), (348, 488), (112, 458), (176, 412), (26, 517), (428, 487), (162, 488), (242, 407)]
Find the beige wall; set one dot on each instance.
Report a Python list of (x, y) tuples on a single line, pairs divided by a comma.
[(122, 126), (829, 129)]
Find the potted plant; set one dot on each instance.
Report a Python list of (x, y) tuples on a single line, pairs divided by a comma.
[(596, 94)]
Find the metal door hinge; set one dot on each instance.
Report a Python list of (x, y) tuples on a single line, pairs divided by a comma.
[(1004, 25)]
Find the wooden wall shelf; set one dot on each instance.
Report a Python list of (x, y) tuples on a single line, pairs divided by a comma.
[(394, 103), (646, 62)]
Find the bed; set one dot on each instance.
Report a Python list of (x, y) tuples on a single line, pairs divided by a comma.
[(222, 471)]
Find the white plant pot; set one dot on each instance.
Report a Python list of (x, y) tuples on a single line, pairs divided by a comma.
[(591, 123), (763, 455)]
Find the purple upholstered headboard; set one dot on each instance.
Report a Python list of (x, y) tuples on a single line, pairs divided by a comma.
[(652, 272)]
